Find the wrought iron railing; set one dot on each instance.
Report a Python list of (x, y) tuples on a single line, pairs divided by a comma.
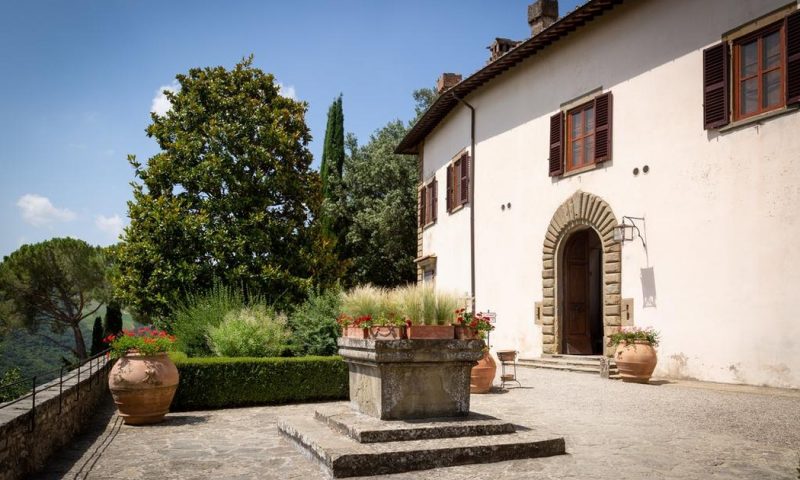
[(65, 374)]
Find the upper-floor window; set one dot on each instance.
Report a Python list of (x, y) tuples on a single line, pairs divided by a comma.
[(428, 203), (581, 136), (752, 74), (758, 65), (458, 182)]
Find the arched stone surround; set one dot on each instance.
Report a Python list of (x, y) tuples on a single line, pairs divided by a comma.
[(581, 210)]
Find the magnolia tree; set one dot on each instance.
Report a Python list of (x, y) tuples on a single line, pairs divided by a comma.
[(229, 198)]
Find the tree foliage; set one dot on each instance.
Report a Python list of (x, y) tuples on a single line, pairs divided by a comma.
[(97, 337), (333, 148), (227, 198), (56, 283), (380, 201), (113, 320)]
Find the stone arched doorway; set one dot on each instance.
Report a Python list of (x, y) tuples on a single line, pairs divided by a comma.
[(580, 212)]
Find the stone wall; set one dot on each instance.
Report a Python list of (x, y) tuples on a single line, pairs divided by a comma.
[(28, 436)]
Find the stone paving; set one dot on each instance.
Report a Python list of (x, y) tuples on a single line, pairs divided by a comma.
[(613, 431)]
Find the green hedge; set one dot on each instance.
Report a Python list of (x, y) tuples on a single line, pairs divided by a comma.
[(219, 382)]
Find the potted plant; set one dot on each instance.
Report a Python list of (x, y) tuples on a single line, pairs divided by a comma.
[(144, 379), (482, 375), (429, 314), (354, 327), (636, 354)]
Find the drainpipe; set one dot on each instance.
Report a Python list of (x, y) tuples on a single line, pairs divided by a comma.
[(471, 197)]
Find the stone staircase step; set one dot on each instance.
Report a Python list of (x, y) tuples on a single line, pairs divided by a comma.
[(570, 363)]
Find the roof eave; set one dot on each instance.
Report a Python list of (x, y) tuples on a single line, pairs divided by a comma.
[(445, 103)]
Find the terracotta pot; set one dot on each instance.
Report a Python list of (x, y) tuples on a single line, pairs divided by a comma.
[(355, 332), (482, 376), (465, 333), (636, 361), (387, 333), (430, 332), (143, 387)]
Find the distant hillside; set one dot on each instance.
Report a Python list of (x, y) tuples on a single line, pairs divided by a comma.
[(34, 355)]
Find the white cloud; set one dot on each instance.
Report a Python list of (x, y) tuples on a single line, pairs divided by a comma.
[(39, 211), (161, 104), (112, 226), (287, 91)]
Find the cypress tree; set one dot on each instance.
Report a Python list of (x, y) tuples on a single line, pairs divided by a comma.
[(333, 148), (113, 319), (97, 336)]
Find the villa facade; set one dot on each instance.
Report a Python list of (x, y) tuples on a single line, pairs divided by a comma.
[(635, 162)]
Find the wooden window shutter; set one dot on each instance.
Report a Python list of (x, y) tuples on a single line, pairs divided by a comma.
[(793, 59), (556, 144), (422, 206), (449, 198), (434, 188), (716, 101), (464, 185), (603, 111)]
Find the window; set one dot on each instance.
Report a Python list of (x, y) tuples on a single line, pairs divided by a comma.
[(458, 183), (580, 128), (758, 71), (753, 74), (428, 203), (581, 136)]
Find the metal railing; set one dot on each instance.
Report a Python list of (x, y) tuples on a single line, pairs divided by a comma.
[(95, 363)]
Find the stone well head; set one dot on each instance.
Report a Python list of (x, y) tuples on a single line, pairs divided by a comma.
[(410, 379)]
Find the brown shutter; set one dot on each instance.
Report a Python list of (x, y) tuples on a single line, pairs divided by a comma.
[(434, 199), (603, 111), (793, 59), (715, 86), (556, 144), (422, 206), (449, 199), (464, 190)]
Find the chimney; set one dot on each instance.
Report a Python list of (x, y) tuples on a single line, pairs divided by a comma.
[(542, 14), (446, 81), (500, 47)]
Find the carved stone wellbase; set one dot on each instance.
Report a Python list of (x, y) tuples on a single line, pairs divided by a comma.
[(410, 379)]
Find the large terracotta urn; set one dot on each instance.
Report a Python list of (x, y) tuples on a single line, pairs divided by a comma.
[(143, 387), (482, 376), (636, 361)]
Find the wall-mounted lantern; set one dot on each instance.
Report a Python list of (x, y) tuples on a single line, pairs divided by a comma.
[(624, 232)]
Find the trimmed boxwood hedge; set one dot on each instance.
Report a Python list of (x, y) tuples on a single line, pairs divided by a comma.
[(219, 382)]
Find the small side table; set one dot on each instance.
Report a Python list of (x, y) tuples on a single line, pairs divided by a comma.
[(508, 367)]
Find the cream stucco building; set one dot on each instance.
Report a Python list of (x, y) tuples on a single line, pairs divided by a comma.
[(673, 122)]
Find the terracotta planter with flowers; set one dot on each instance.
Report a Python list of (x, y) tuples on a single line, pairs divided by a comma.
[(465, 333), (636, 354), (355, 332), (144, 379), (387, 332)]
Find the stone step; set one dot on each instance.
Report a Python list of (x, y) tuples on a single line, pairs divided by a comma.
[(566, 368), (365, 429), (571, 363), (342, 456), (579, 362)]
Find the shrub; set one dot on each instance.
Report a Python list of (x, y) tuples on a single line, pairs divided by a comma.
[(254, 331), (630, 335), (13, 384), (198, 312), (236, 382), (313, 323)]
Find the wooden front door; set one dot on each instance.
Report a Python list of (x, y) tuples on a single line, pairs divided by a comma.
[(577, 335)]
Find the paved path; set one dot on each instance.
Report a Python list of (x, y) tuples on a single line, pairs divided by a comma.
[(613, 431)]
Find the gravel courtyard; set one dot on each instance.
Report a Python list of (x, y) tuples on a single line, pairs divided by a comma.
[(613, 431)]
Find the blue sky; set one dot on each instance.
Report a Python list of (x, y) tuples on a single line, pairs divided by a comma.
[(78, 80)]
